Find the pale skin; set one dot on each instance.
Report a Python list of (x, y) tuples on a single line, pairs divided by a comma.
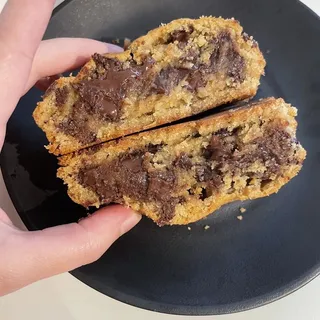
[(26, 257)]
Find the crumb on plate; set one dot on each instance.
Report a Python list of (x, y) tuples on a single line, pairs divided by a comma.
[(243, 210)]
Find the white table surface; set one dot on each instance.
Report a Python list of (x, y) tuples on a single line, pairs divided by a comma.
[(64, 297)]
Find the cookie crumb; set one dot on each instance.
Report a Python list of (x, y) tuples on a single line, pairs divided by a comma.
[(126, 43), (206, 227), (243, 210), (189, 228), (240, 218)]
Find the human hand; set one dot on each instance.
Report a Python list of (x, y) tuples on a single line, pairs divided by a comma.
[(26, 257)]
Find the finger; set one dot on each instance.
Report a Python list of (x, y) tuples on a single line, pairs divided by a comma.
[(63, 248), (64, 54), (4, 218), (21, 30)]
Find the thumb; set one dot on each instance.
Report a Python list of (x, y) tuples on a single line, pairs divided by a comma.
[(31, 256)]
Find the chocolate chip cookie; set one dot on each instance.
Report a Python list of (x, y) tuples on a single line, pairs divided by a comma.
[(177, 70), (181, 173)]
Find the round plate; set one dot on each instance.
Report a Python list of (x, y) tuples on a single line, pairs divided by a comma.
[(234, 265)]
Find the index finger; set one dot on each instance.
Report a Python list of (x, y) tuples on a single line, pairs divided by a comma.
[(22, 26)]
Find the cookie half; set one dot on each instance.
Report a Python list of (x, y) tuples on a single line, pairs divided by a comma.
[(177, 70), (180, 174)]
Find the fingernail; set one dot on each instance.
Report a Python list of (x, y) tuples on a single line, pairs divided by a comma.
[(112, 48), (129, 223)]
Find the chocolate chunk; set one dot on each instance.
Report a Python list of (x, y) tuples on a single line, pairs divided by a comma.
[(104, 96), (109, 110), (167, 79), (273, 149), (221, 146), (98, 179), (154, 148), (132, 162), (127, 176), (211, 177), (203, 174), (195, 81), (98, 100), (236, 68), (104, 65), (61, 95), (131, 176), (226, 57), (161, 182), (76, 125), (278, 146), (124, 176), (168, 208), (182, 36), (183, 161)]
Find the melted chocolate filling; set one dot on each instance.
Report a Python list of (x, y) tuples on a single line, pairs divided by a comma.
[(76, 125), (61, 95), (183, 161), (127, 176)]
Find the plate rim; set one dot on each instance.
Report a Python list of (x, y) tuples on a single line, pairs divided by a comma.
[(172, 309)]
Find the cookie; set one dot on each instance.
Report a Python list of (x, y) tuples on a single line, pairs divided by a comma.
[(177, 70), (181, 173)]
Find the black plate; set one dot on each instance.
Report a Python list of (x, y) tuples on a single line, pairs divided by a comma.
[(234, 265)]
